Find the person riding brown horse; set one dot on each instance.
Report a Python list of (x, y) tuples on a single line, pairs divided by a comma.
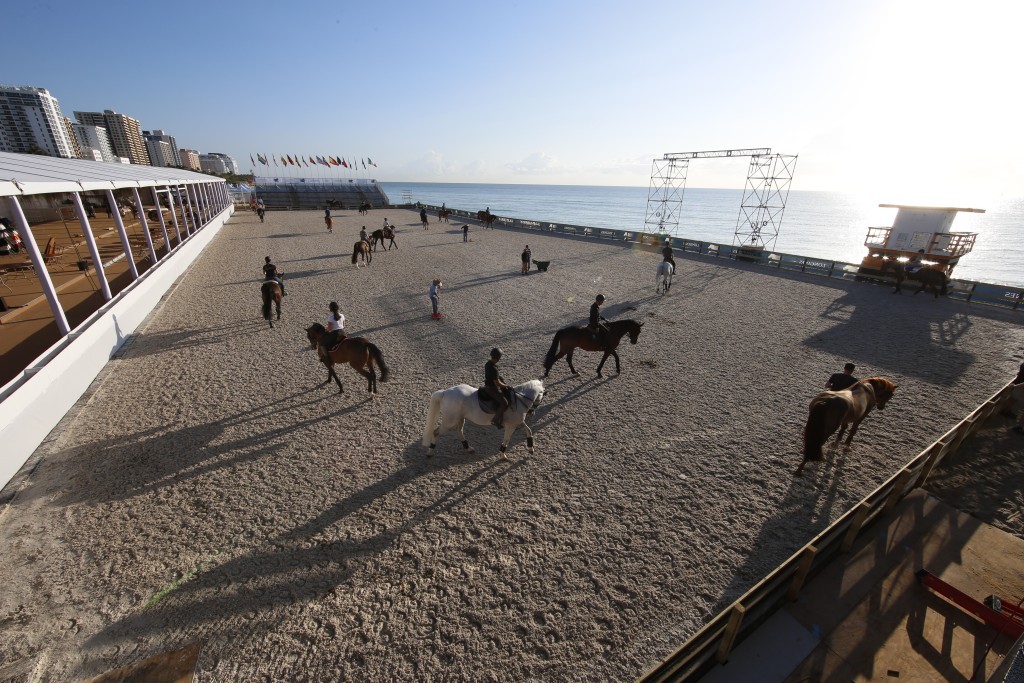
[(933, 279), (271, 294), (358, 352), (832, 410), (361, 249), (568, 339)]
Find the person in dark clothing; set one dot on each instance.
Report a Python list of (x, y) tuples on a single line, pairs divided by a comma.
[(270, 272), (842, 380), (526, 256), (666, 254), (596, 319), (465, 233), (494, 385)]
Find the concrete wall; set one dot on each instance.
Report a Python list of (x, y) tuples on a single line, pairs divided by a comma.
[(33, 404)]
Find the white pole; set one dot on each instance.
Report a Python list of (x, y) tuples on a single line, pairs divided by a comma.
[(145, 224), (174, 216), (192, 213), (94, 250), (160, 213), (39, 263), (185, 218), (123, 233)]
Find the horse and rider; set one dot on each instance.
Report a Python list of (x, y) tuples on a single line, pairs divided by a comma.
[(270, 272), (598, 335)]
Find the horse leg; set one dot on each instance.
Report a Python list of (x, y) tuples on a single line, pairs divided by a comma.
[(277, 302), (601, 364), (529, 438), (462, 436), (568, 359), (616, 357), (337, 379), (509, 430)]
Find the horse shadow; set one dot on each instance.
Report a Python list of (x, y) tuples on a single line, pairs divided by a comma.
[(262, 571), (151, 343)]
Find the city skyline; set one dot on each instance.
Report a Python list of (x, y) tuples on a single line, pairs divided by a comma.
[(902, 101)]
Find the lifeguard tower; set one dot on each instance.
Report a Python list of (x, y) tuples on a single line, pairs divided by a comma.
[(916, 228)]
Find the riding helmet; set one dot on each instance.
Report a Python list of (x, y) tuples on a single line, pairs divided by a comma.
[(600, 297), (495, 352)]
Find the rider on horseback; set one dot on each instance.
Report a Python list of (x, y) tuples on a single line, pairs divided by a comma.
[(270, 272), (666, 254), (914, 264), (363, 236), (494, 386), (335, 328), (596, 319)]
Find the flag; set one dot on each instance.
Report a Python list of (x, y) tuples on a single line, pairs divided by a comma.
[(252, 160), (371, 161), (364, 163), (274, 158), (334, 162)]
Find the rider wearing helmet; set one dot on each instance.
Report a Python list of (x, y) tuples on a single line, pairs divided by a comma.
[(666, 254), (914, 264), (596, 319), (494, 386)]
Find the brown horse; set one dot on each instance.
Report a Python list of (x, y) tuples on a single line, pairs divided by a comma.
[(486, 217), (361, 354), (832, 410), (935, 280), (271, 292), (568, 339), (362, 249), (442, 215), (364, 208)]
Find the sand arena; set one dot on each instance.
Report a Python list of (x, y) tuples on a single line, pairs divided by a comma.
[(210, 488)]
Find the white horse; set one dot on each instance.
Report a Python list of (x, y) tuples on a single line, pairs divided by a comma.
[(664, 277), (460, 403)]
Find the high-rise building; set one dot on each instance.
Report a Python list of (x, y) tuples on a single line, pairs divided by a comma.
[(160, 152), (124, 131), (218, 160), (72, 139), (189, 159), (30, 119), (93, 140), (162, 136)]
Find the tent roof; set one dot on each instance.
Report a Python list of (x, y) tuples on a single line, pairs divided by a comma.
[(25, 174)]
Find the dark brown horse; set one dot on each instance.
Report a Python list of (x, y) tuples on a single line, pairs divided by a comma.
[(379, 235), (442, 215), (364, 208), (935, 280), (486, 217), (361, 249), (832, 410), (361, 354), (271, 292), (568, 339)]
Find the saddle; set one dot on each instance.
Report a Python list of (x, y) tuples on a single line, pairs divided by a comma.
[(487, 404)]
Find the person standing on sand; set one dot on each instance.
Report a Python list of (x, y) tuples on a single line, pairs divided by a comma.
[(435, 296), (465, 233), (842, 380), (328, 221), (525, 257)]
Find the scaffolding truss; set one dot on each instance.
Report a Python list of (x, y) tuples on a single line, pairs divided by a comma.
[(764, 200), (764, 196)]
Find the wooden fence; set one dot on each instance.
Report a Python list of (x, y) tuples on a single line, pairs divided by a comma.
[(713, 643), (1004, 296)]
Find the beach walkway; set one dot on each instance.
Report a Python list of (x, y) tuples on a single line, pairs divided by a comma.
[(211, 489)]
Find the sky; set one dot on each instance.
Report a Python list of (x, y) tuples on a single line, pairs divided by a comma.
[(902, 101)]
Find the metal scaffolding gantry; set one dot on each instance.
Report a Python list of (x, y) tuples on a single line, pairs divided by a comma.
[(764, 196)]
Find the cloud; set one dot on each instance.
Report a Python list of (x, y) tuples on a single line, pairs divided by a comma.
[(536, 163)]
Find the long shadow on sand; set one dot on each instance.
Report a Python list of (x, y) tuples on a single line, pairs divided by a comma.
[(911, 336), (265, 571), (149, 343)]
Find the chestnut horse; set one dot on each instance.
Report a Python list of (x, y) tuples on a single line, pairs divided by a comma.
[(271, 292), (832, 410), (356, 351), (442, 215), (361, 249), (935, 280), (568, 339)]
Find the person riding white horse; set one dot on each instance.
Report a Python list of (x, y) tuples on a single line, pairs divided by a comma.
[(457, 404)]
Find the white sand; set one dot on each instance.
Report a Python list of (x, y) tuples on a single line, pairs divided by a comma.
[(319, 544)]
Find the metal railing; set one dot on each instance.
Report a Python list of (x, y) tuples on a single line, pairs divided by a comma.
[(1004, 296), (712, 644)]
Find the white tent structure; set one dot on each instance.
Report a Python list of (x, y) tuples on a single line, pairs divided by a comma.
[(34, 402)]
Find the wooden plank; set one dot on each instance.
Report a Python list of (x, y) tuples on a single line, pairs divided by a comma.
[(863, 510), (806, 560), (897, 491), (731, 631)]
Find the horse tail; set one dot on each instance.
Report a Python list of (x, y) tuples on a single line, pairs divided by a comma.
[(433, 412), (549, 359), (355, 252), (816, 432), (385, 371)]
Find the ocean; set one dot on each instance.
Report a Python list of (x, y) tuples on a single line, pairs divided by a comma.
[(828, 225)]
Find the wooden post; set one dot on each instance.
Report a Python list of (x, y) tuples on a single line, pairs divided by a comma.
[(806, 560), (939, 450), (731, 630), (897, 491), (859, 518)]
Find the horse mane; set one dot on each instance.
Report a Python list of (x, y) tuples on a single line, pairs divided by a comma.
[(881, 383), (317, 328)]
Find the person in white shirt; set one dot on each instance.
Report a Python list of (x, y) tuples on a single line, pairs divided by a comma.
[(435, 294), (335, 327)]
